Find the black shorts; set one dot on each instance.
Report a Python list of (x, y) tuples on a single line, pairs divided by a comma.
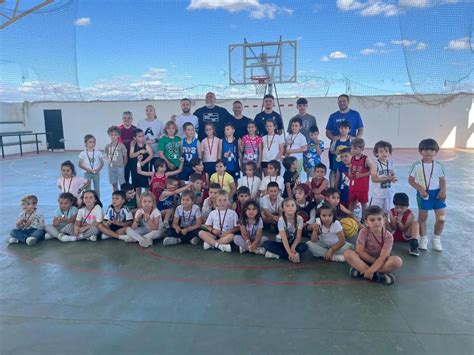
[(114, 227)]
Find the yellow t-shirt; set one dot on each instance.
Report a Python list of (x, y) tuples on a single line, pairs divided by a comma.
[(223, 181)]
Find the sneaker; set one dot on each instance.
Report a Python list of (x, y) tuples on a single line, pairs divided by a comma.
[(105, 236), (386, 279), (225, 248), (171, 241), (126, 238), (260, 251), (206, 246), (145, 242), (338, 258), (242, 250), (31, 241), (92, 238), (195, 240), (414, 248), (423, 243), (269, 255), (436, 243), (355, 273), (67, 238), (12, 240), (48, 236), (166, 225)]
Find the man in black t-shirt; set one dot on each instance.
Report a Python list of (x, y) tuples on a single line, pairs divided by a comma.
[(239, 120), (217, 115), (268, 114)]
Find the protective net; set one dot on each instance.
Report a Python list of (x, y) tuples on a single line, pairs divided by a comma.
[(144, 49)]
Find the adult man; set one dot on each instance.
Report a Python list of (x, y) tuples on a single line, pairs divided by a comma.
[(268, 114), (307, 119), (213, 114), (344, 114), (240, 121), (186, 117)]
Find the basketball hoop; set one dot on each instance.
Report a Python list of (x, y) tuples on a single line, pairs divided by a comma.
[(260, 82)]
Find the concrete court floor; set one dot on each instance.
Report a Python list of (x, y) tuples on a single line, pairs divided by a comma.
[(114, 298)]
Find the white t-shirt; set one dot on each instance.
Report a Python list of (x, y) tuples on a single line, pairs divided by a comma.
[(296, 141), (90, 217), (182, 119), (155, 214), (434, 169), (252, 183), (187, 218), (382, 189), (329, 235), (72, 185), (153, 130), (289, 228), (271, 146), (222, 220), (123, 215), (272, 207), (268, 179), (91, 159)]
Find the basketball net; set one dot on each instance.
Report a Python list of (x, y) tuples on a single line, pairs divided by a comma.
[(260, 84)]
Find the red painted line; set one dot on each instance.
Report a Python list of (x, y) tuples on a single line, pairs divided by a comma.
[(291, 105), (254, 105)]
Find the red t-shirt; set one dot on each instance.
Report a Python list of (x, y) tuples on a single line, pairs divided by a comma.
[(127, 135), (398, 234), (358, 166)]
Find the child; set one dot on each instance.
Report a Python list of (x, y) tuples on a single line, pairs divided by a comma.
[(63, 215), (428, 178), (116, 155), (243, 195), (191, 150), (319, 183), (288, 240), (230, 151), (221, 225), (333, 197), (211, 146), (250, 180), (140, 154), (71, 183), (158, 178), (251, 229), (371, 259), (383, 177), (91, 161), (167, 201), (187, 222), (296, 143), (209, 203), (88, 218), (305, 208), (198, 168), (147, 224), (361, 168), (117, 218), (343, 141), (223, 178), (291, 176), (29, 224), (313, 155), (402, 223), (328, 240), (169, 146), (273, 171), (251, 146), (271, 205), (127, 133), (273, 145), (197, 189), (130, 197), (343, 180)]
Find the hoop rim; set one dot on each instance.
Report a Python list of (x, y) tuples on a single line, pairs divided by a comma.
[(260, 79)]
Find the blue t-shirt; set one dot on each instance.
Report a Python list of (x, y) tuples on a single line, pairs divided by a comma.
[(190, 151), (68, 214), (262, 118), (344, 182), (232, 152), (219, 116), (312, 156), (351, 116), (338, 146)]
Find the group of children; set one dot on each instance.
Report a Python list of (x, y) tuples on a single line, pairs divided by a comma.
[(224, 191)]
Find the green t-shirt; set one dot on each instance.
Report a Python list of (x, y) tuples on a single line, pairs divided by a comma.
[(170, 148)]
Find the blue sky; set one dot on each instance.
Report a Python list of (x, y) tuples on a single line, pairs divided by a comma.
[(165, 49)]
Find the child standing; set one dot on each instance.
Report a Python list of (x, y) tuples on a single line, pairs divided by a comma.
[(371, 259), (191, 150), (383, 177), (313, 155), (116, 155), (69, 182), (271, 205), (428, 178), (117, 218), (288, 240), (328, 240), (169, 146), (140, 154), (343, 181), (291, 176), (402, 223), (91, 161), (296, 144), (29, 224), (210, 149), (221, 225), (319, 183), (63, 215), (250, 180), (223, 178), (360, 170), (251, 230), (88, 218), (340, 142), (273, 145), (251, 146), (273, 175), (230, 151), (187, 222), (127, 133)]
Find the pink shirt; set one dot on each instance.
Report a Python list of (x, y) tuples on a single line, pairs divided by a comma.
[(209, 149), (375, 245), (73, 185), (250, 146)]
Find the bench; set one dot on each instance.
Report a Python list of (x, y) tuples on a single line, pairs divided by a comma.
[(21, 142)]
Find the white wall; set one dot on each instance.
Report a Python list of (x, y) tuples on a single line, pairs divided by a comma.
[(402, 120)]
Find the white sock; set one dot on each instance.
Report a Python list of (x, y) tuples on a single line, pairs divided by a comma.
[(68, 238), (423, 236), (216, 245), (436, 236)]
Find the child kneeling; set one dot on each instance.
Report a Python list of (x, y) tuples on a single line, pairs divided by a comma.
[(371, 259)]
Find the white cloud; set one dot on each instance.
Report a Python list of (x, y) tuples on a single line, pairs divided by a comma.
[(379, 44), (404, 42), (338, 55), (368, 8), (414, 3), (324, 58), (372, 51), (421, 46), (407, 83), (155, 74), (257, 9), (349, 5), (83, 21), (459, 44)]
